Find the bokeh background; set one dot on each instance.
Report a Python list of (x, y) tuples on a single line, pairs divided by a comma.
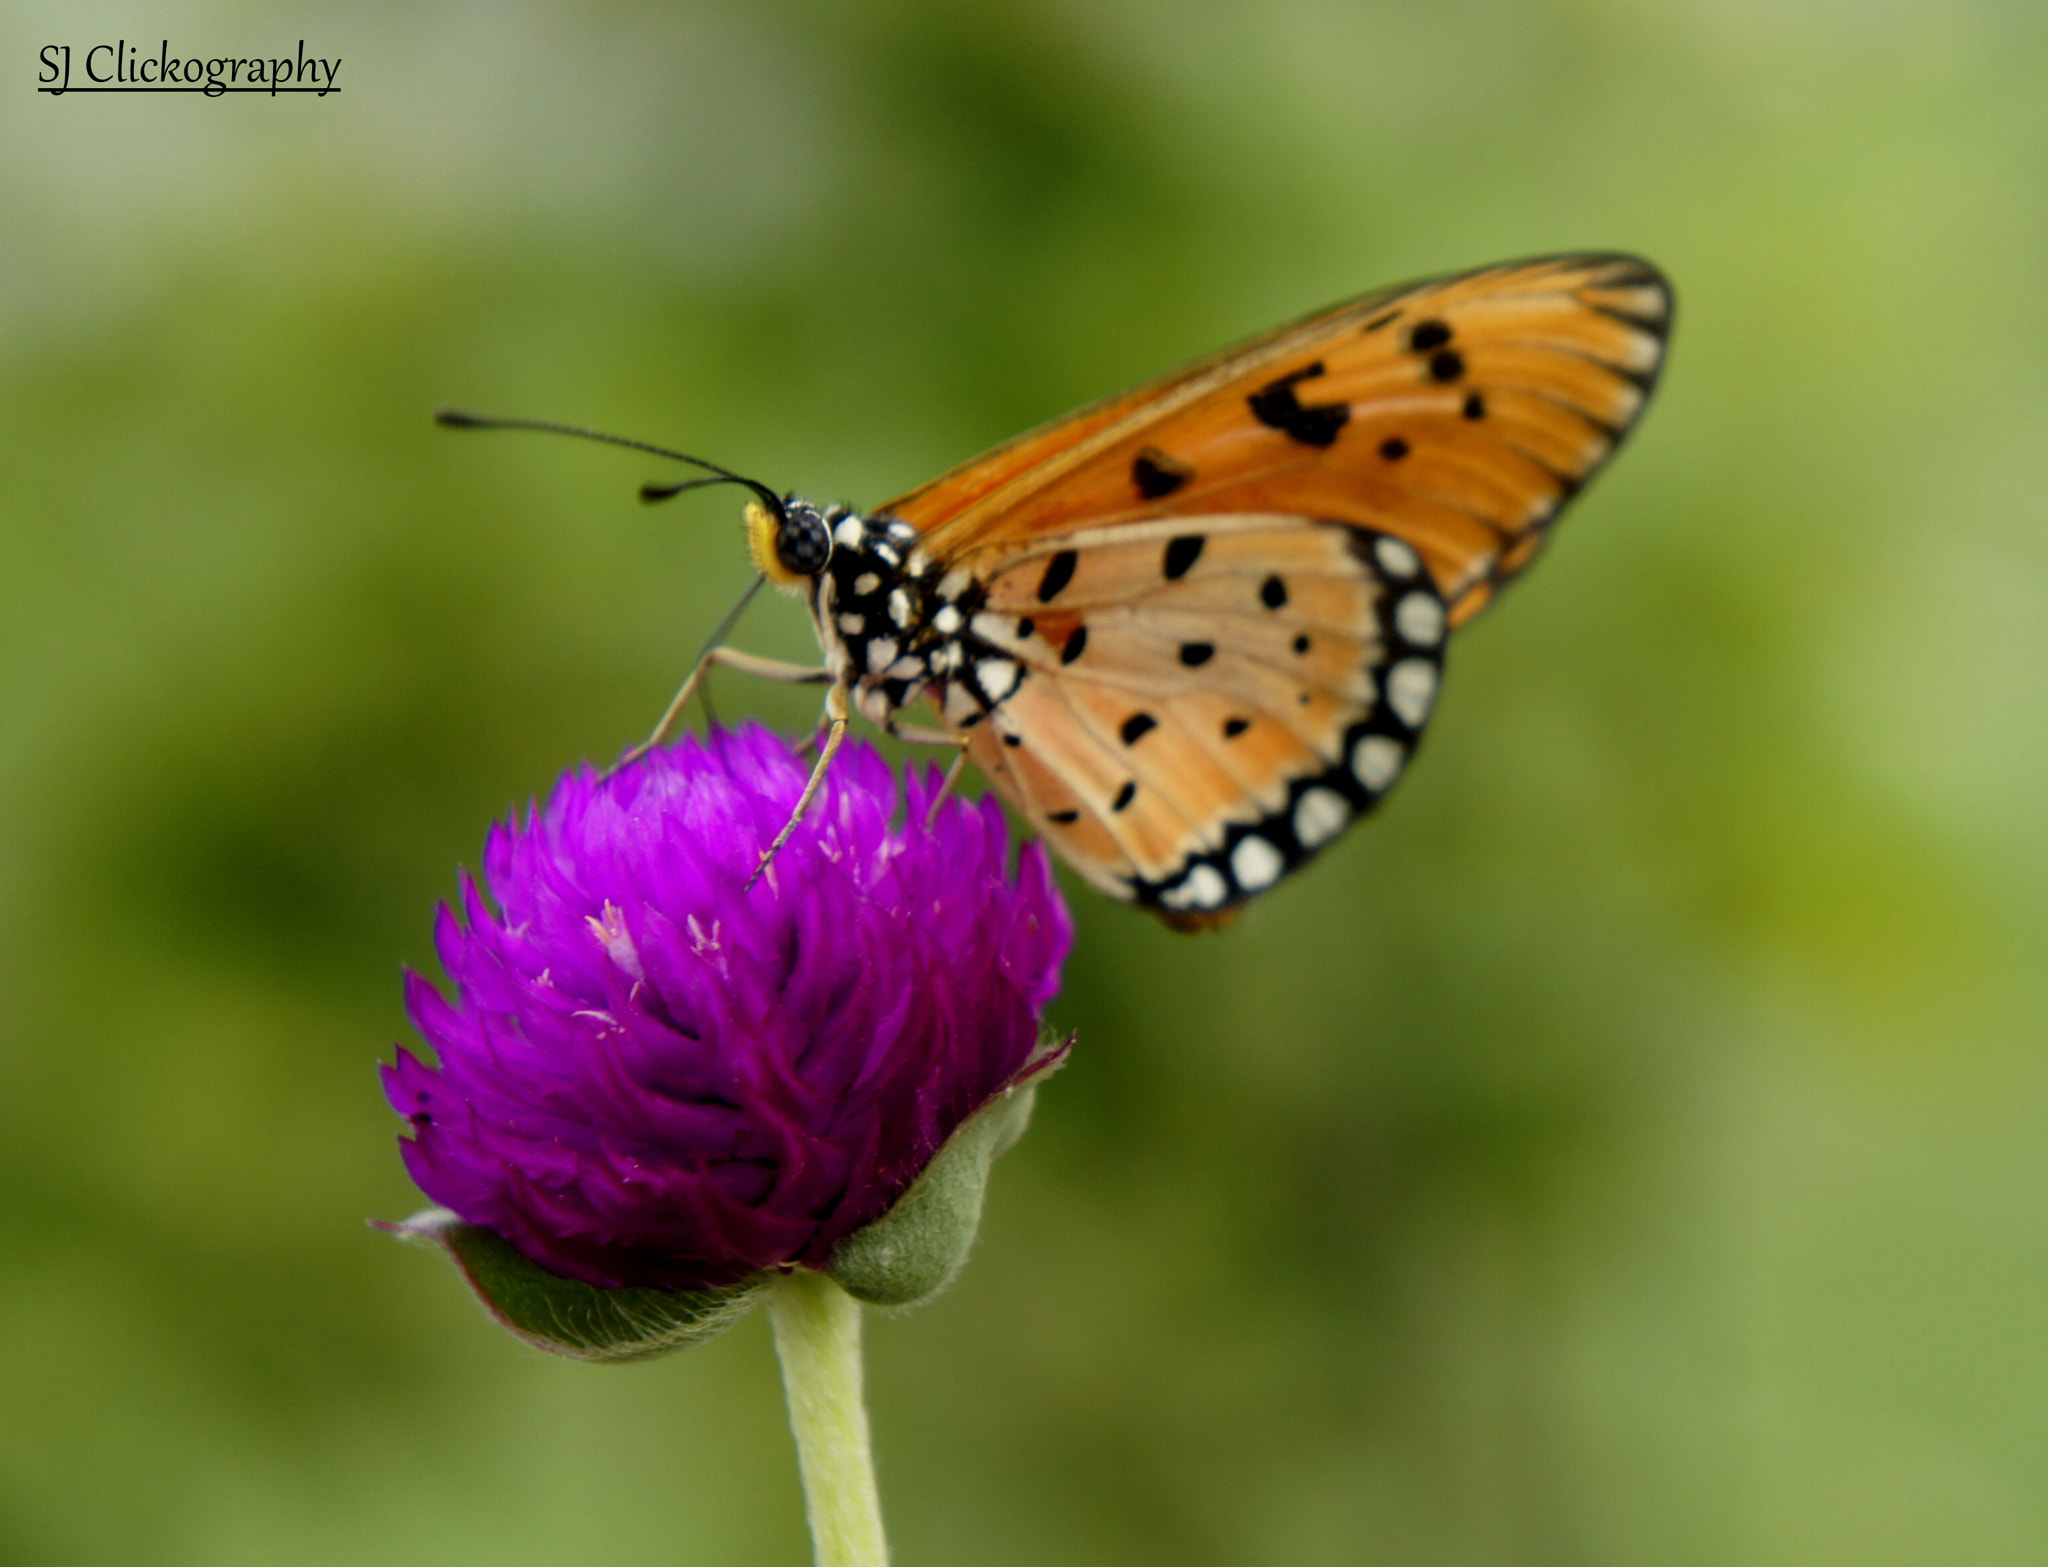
[(1632, 1148)]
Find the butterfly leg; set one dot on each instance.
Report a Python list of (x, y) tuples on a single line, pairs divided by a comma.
[(835, 712), (953, 772), (731, 658), (921, 734), (924, 734)]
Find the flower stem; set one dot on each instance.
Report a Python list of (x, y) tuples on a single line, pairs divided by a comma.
[(817, 1335)]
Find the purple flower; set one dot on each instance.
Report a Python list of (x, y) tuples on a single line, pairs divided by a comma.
[(653, 1075)]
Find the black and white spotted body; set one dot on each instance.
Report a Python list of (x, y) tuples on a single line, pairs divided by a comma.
[(896, 627)]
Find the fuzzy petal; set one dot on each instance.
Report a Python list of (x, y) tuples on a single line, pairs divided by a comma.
[(652, 1075)]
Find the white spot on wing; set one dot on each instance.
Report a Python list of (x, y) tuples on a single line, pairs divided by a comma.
[(1397, 558), (849, 533), (866, 583), (1202, 888), (1256, 863), (1376, 761), (1411, 690), (853, 625), (1642, 299), (1641, 351), (1319, 815), (959, 705), (899, 607), (997, 677), (1420, 619), (947, 621), (881, 654)]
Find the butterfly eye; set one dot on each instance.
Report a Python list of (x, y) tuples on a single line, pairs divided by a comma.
[(790, 544), (802, 544)]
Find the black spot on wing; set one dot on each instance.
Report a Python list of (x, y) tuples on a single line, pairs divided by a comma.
[(1076, 644), (1393, 448), (1273, 593), (1475, 406), (1428, 335), (1278, 405), (1156, 474), (1025, 627), (1182, 553), (1125, 795), (1059, 571), (1196, 654), (1063, 818), (1136, 727), (1233, 727), (1446, 365), (1379, 321)]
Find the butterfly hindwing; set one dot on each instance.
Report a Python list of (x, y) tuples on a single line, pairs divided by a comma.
[(1200, 708)]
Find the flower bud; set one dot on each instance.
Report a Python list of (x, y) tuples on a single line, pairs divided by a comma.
[(657, 1084)]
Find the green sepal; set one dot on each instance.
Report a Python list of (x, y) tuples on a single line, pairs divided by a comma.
[(567, 1316), (912, 1252)]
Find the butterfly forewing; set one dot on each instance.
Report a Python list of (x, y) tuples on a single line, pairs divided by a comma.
[(1459, 415)]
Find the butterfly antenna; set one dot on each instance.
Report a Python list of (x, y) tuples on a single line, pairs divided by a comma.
[(461, 419)]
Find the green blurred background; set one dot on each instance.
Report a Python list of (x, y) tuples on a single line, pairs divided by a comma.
[(1632, 1148)]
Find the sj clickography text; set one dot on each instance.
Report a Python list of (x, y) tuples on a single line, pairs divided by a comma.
[(121, 67)]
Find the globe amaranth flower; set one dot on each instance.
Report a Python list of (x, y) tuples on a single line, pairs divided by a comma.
[(653, 1074)]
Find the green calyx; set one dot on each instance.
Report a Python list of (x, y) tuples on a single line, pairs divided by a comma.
[(906, 1256), (912, 1252), (567, 1316)]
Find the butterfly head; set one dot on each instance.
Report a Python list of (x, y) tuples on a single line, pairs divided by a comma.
[(790, 542)]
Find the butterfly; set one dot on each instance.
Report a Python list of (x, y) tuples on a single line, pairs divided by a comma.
[(1195, 630)]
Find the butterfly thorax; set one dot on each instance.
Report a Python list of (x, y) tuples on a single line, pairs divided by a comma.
[(897, 626)]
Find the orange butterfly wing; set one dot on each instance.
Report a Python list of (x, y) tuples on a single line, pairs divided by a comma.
[(1211, 609), (1459, 414), (1202, 703)]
